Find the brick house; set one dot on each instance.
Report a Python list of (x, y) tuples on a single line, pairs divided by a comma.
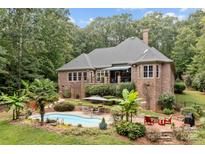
[(130, 61)]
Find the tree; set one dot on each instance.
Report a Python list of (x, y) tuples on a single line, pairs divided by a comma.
[(14, 103), (37, 42), (184, 50), (3, 60), (43, 91), (106, 32), (162, 31), (129, 103), (197, 66)]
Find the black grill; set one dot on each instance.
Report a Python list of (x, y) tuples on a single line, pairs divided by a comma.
[(189, 119)]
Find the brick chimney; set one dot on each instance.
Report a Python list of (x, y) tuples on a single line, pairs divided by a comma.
[(146, 36)]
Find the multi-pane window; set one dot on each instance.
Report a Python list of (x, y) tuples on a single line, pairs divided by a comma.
[(100, 75), (157, 71), (148, 71), (70, 76), (79, 76), (74, 76), (85, 75)]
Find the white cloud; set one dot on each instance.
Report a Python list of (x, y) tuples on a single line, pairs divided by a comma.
[(183, 9), (91, 19), (72, 20), (147, 13), (172, 14), (86, 22), (128, 9)]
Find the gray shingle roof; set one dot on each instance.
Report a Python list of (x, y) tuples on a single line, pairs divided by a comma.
[(131, 50)]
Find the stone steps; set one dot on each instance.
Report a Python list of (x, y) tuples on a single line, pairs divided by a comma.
[(166, 136)]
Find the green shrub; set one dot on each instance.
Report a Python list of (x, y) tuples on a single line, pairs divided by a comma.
[(168, 111), (179, 87), (61, 107), (187, 110), (100, 89), (177, 107), (198, 109), (188, 81), (166, 100), (109, 97), (66, 93), (127, 85), (131, 130), (109, 103), (199, 82), (181, 134), (103, 124), (83, 131), (108, 89)]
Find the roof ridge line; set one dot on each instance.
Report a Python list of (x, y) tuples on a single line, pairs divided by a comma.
[(88, 60)]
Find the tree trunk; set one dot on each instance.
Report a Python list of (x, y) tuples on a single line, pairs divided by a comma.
[(127, 116), (42, 112), (14, 114), (17, 113)]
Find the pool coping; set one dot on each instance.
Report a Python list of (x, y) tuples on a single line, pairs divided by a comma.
[(80, 114)]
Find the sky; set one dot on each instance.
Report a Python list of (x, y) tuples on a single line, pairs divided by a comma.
[(83, 16)]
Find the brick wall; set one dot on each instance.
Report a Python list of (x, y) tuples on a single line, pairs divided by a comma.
[(151, 88), (76, 87), (148, 88)]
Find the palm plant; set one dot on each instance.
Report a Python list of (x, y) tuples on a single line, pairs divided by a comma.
[(129, 103), (14, 103), (43, 92)]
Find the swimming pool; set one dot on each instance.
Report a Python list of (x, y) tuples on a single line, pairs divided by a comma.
[(72, 119)]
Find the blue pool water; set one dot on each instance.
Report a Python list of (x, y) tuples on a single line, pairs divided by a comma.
[(72, 119)]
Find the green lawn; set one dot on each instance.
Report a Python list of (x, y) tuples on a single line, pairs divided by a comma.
[(21, 135), (191, 96)]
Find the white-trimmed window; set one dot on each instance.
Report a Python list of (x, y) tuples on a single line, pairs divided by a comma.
[(74, 76), (100, 75), (148, 71), (157, 71), (79, 76), (85, 76), (70, 76)]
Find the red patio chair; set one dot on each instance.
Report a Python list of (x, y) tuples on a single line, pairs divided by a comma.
[(148, 120), (168, 121)]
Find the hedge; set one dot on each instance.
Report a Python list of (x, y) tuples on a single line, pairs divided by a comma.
[(179, 87), (65, 106), (108, 89), (166, 100), (130, 130)]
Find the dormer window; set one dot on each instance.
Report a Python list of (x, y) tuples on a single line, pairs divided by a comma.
[(148, 71)]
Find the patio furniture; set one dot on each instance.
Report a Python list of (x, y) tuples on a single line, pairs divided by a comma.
[(156, 119), (168, 121), (161, 122), (96, 111), (148, 120)]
